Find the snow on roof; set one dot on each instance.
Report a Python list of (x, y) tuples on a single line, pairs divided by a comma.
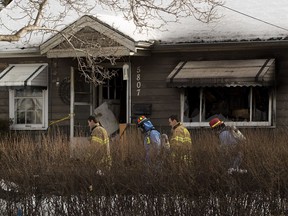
[(241, 20)]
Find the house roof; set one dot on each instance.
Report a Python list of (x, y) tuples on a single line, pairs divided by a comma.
[(93, 28), (246, 20)]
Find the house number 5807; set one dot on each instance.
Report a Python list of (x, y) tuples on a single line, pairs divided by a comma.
[(138, 81)]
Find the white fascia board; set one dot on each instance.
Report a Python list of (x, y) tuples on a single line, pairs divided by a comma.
[(86, 21), (69, 53), (20, 53)]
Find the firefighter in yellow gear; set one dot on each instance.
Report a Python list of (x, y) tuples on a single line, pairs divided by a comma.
[(180, 141), (180, 135), (100, 141)]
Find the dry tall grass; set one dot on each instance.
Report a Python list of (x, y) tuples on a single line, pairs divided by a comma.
[(49, 181)]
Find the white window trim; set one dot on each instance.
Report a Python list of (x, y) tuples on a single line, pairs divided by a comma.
[(269, 123), (42, 126)]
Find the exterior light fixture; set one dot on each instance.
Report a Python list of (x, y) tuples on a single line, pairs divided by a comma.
[(125, 71)]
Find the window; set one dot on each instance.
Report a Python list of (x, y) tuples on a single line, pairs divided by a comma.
[(245, 106), (112, 88), (28, 108)]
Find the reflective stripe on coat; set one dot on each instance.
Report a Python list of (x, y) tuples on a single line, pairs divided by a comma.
[(99, 136), (180, 136)]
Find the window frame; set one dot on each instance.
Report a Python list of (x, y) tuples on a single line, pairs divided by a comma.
[(269, 123), (15, 126)]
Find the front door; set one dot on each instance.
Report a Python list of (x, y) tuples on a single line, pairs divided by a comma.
[(113, 92), (88, 97)]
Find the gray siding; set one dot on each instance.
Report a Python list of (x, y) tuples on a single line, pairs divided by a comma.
[(4, 105), (154, 70), (166, 101)]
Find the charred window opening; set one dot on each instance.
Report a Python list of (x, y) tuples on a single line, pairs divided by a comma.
[(114, 93), (240, 104), (112, 88)]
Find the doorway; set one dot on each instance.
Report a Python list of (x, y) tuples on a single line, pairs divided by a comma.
[(87, 97), (113, 92)]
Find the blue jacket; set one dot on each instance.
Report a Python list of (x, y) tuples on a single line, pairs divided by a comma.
[(152, 141), (226, 137)]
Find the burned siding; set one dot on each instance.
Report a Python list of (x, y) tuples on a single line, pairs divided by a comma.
[(4, 104), (149, 79), (59, 100), (4, 98), (58, 70), (282, 91), (149, 87)]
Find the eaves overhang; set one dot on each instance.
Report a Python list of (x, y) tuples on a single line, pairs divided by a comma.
[(21, 53), (218, 46), (142, 48)]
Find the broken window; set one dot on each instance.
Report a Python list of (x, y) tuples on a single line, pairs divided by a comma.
[(237, 104)]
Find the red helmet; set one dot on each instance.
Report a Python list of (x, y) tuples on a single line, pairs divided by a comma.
[(215, 122), (141, 120)]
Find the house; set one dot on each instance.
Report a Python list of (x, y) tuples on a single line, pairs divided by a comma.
[(243, 80)]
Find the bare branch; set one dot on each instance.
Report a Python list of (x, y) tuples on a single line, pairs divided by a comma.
[(141, 12), (45, 17), (40, 12), (90, 65), (22, 32)]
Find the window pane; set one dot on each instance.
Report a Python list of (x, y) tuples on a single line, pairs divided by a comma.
[(111, 93), (192, 105), (28, 93), (230, 103), (20, 117), (112, 88), (261, 104), (105, 92), (28, 106)]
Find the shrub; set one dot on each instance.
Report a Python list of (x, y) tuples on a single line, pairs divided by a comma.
[(48, 177)]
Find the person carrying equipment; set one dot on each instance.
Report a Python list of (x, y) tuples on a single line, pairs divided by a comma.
[(230, 140), (152, 140)]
